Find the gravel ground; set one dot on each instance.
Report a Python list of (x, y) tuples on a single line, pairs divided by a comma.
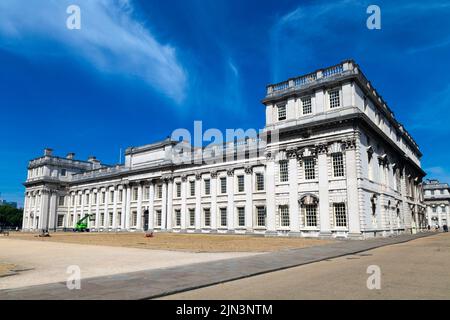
[(49, 260), (178, 242)]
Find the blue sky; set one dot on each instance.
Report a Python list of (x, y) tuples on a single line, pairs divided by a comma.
[(139, 69)]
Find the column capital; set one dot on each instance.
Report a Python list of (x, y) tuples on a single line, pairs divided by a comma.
[(198, 175), (213, 174), (248, 169), (230, 172)]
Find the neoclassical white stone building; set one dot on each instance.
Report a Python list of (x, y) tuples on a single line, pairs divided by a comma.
[(331, 161), (437, 201)]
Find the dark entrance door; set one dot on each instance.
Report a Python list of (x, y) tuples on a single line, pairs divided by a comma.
[(146, 220)]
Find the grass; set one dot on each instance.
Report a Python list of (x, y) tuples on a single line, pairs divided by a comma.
[(179, 242)]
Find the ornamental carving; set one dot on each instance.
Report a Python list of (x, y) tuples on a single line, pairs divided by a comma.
[(349, 144), (308, 199), (230, 172), (248, 169), (198, 175), (213, 174)]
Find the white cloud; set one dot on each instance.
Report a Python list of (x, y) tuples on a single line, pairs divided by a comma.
[(111, 39)]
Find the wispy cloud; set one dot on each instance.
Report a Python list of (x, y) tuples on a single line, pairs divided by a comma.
[(439, 173), (112, 39)]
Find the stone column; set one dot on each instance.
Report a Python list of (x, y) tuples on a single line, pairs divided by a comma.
[(89, 209), (293, 194), (25, 217), (116, 198), (164, 206), (151, 209), (198, 203), (105, 209), (270, 194), (169, 203), (230, 206), (139, 208), (97, 208), (354, 223), (52, 211), (183, 203), (324, 201), (124, 207), (213, 186), (128, 207), (44, 210), (249, 199)]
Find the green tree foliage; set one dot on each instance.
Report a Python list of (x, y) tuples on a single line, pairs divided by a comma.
[(10, 216)]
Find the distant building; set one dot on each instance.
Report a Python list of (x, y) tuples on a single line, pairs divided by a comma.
[(6, 203), (437, 201), (343, 166)]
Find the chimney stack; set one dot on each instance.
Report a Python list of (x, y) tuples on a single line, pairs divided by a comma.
[(92, 159), (70, 156), (48, 152)]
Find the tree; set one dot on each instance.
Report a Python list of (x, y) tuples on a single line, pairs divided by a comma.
[(10, 216)]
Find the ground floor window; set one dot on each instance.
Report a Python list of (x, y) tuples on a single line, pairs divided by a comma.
[(261, 216), (133, 218), (102, 219), (60, 220), (158, 218), (311, 215), (241, 216), (192, 217), (177, 217), (284, 216), (340, 215), (119, 218), (223, 217), (207, 217), (111, 219)]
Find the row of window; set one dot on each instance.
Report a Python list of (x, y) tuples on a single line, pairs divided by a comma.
[(334, 97), (310, 214), (309, 167)]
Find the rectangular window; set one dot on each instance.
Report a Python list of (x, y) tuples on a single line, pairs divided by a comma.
[(119, 218), (63, 172), (94, 200), (261, 216), (134, 218), (309, 167), (61, 201), (259, 181), (146, 192), (80, 197), (340, 215), (60, 220), (223, 185), (135, 194), (338, 164), (159, 191), (177, 217), (311, 215), (335, 99), (306, 105), (223, 217), (103, 197), (207, 186), (111, 196), (284, 171), (120, 195), (241, 216), (284, 216), (207, 217), (111, 219), (102, 219), (241, 183), (192, 188), (178, 187), (87, 198), (158, 218), (192, 217), (281, 112)]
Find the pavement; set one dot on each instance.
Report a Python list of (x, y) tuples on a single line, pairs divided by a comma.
[(419, 269), (161, 282)]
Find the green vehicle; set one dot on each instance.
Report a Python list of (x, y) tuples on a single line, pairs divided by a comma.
[(83, 224)]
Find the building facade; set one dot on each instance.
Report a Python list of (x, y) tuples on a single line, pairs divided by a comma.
[(437, 201), (331, 161)]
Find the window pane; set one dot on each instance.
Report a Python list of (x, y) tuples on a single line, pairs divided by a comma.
[(284, 171)]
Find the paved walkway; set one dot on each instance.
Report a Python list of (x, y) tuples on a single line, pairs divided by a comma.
[(416, 269), (161, 282)]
